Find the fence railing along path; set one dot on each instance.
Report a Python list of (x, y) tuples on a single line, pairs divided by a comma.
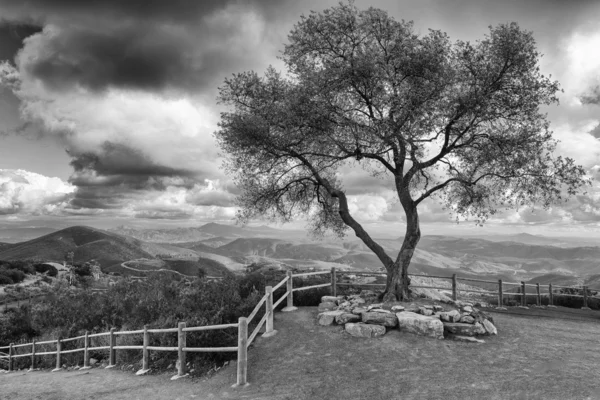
[(245, 338)]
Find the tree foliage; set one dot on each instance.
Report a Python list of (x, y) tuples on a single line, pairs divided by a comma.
[(457, 120)]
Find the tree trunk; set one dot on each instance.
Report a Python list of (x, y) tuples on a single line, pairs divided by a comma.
[(397, 284)]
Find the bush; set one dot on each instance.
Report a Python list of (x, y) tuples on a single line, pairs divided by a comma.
[(47, 269), (14, 274)]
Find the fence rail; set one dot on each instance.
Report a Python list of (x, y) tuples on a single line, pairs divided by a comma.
[(266, 322)]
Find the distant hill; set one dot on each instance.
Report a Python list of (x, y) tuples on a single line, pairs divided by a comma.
[(4, 246), (16, 235), (86, 243)]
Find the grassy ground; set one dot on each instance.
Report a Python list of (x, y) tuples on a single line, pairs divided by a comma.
[(533, 357)]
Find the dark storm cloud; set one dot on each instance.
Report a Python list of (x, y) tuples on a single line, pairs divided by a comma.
[(119, 165), (12, 36), (149, 45)]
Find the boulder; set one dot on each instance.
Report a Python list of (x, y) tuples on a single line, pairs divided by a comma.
[(425, 311), (358, 300), (420, 325), (467, 309), (427, 307), (328, 306), (489, 327), (328, 317), (93, 361), (346, 317), (379, 318), (379, 310), (467, 319), (458, 328), (365, 330), (374, 306), (330, 299), (397, 308), (359, 310), (438, 308), (450, 316), (481, 316), (412, 308)]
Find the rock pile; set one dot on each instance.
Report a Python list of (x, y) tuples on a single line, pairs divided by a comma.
[(363, 318)]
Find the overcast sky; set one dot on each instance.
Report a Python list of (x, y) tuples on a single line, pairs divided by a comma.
[(107, 108)]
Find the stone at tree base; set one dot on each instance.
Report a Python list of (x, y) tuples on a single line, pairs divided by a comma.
[(365, 330), (420, 325), (425, 311), (468, 339), (328, 317), (359, 310), (462, 329), (346, 317), (378, 318), (329, 299), (328, 306), (489, 327), (467, 319)]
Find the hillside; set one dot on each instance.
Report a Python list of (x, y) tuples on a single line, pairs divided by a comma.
[(86, 243)]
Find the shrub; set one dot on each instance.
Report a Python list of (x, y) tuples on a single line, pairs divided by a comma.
[(5, 280), (14, 274), (47, 269)]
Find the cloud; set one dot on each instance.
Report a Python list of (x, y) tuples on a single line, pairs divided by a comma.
[(24, 192)]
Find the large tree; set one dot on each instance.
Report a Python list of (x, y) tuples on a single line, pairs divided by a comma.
[(459, 121)]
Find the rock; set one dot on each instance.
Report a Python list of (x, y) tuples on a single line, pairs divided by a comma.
[(524, 307), (359, 310), (467, 319), (380, 310), (420, 325), (358, 300), (468, 339), (413, 308), (481, 316), (397, 308), (329, 306), (450, 316), (365, 330), (490, 328), (504, 308), (345, 304), (374, 306), (585, 308), (428, 307), (438, 308), (467, 309), (328, 317), (425, 311), (378, 318), (93, 361), (331, 299), (463, 329), (346, 317)]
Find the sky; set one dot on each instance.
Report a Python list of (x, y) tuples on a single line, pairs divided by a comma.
[(108, 107)]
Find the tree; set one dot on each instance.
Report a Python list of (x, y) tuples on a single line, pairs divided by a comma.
[(459, 121)]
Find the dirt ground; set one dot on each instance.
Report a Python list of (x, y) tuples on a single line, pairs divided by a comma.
[(534, 357)]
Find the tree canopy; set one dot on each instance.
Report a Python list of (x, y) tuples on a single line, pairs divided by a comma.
[(457, 120)]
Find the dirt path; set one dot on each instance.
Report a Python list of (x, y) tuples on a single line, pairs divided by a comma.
[(533, 358)]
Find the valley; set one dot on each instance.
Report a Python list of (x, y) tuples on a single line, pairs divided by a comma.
[(221, 250)]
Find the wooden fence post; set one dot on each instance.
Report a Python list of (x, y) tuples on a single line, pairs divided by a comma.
[(454, 294), (112, 353), (32, 355), (550, 295), (523, 297), (58, 356), (585, 301), (333, 282), (269, 311), (500, 297), (539, 296), (290, 295), (180, 352), (10, 357), (145, 362), (86, 351), (242, 359)]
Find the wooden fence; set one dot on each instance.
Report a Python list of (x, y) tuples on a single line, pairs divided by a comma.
[(245, 339)]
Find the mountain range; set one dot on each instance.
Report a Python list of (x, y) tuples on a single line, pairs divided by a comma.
[(223, 249)]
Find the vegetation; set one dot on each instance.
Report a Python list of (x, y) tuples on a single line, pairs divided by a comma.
[(160, 301), (458, 121)]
